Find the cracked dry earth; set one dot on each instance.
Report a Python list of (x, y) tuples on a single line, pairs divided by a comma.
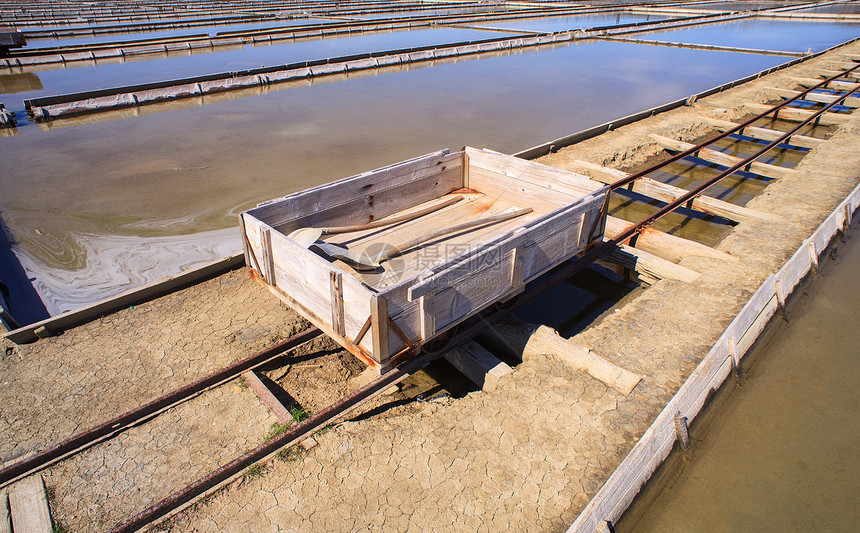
[(526, 457)]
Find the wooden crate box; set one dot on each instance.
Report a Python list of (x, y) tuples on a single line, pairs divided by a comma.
[(386, 314)]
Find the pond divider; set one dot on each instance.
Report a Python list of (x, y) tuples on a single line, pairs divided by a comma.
[(613, 498), (45, 108)]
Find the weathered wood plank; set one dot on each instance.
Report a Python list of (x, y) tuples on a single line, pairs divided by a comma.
[(669, 193), (28, 505), (267, 397), (836, 85), (794, 114), (828, 73), (650, 265), (723, 159), (821, 98), (525, 340), (5, 517), (368, 196), (379, 327), (665, 245), (766, 134), (480, 366)]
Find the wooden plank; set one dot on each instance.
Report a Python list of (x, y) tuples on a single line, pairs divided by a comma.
[(268, 256), (649, 264), (5, 517), (668, 193), (337, 317), (267, 397), (723, 159), (821, 98), (794, 114), (827, 73), (379, 328), (524, 340), (480, 366), (427, 317), (665, 245), (28, 504), (546, 176), (368, 196), (765, 133), (836, 85)]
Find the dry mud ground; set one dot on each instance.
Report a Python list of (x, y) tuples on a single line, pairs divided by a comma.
[(525, 457)]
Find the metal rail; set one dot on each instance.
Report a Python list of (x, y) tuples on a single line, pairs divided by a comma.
[(739, 127), (116, 425)]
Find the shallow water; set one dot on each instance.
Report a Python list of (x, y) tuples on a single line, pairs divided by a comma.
[(785, 35), (571, 22), (190, 170), (197, 30), (779, 453), (142, 69)]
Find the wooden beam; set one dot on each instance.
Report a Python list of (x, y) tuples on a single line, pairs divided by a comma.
[(28, 504), (821, 98), (668, 193), (836, 85), (266, 396), (828, 73), (480, 366), (765, 134), (5, 518), (524, 340), (794, 114), (650, 266), (662, 244), (696, 46), (723, 159)]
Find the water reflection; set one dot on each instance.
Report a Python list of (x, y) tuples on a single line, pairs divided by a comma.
[(100, 193)]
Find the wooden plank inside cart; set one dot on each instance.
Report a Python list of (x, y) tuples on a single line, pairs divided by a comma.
[(385, 315)]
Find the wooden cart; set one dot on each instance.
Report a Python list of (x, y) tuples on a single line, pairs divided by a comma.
[(384, 315)]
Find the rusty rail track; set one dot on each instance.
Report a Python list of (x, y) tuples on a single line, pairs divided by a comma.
[(114, 426)]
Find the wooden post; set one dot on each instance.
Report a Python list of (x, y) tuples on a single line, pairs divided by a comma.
[(737, 370), (780, 298), (813, 255), (427, 317), (682, 431), (338, 320), (379, 327), (5, 519)]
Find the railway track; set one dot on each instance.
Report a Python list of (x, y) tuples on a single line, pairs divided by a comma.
[(841, 86)]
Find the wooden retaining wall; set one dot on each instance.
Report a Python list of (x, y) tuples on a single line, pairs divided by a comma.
[(654, 446)]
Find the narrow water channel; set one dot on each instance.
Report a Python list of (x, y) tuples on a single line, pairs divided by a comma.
[(780, 452)]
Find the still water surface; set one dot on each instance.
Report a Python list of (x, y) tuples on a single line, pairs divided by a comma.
[(151, 183), (786, 35)]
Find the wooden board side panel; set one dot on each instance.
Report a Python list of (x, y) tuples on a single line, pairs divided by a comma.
[(368, 196), (552, 178)]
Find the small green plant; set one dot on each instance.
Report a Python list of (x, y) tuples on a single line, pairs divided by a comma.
[(242, 383), (58, 527), (255, 470), (291, 453), (298, 414), (323, 430), (274, 430)]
